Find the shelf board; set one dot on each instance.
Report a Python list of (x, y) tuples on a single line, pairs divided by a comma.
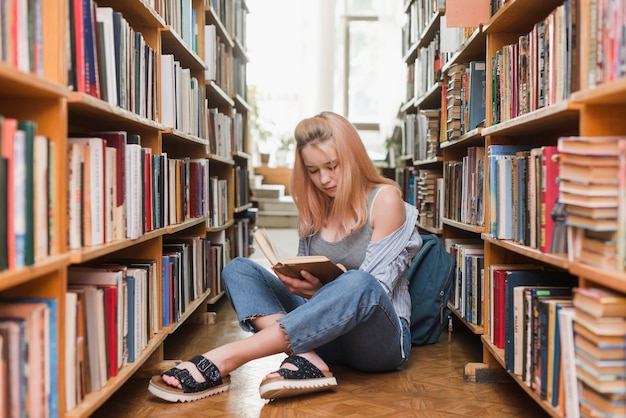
[(432, 230), (191, 308), (102, 115), (557, 118), (172, 43), (180, 135), (431, 99), (559, 261), (498, 355), (16, 83), (427, 161), (613, 92), (612, 279), (520, 15), (461, 225), (476, 329), (472, 49), (14, 277), (473, 137), (138, 13), (89, 253)]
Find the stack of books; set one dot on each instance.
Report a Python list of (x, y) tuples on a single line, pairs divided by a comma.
[(600, 351), (592, 186), (427, 133), (453, 101), (429, 197)]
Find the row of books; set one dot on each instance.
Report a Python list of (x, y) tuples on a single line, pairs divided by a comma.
[(182, 99), (29, 374), (21, 40), (419, 16), (523, 191), (524, 301), (465, 98), (467, 288), (465, 184), (133, 191), (27, 190), (420, 135), (539, 69), (111, 60), (423, 188), (113, 308), (111, 312), (592, 188)]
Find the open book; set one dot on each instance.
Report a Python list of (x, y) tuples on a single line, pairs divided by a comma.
[(318, 265)]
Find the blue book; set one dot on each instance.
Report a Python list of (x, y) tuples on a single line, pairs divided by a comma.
[(495, 152), (130, 302), (477, 94), (166, 290)]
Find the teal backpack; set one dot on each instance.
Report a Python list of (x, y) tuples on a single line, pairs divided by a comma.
[(430, 276)]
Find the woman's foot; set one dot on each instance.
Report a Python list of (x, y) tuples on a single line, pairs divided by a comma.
[(297, 375), (189, 381)]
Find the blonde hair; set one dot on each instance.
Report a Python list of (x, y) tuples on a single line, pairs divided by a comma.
[(357, 175)]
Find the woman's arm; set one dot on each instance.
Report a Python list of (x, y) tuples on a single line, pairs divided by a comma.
[(388, 213)]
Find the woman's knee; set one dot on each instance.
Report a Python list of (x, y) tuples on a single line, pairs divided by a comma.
[(358, 282), (235, 269)]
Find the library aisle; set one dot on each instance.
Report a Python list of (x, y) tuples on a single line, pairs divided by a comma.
[(431, 384)]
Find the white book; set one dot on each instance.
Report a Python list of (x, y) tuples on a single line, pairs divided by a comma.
[(133, 191), (185, 100), (210, 52), (104, 15), (95, 178), (110, 189), (178, 87), (19, 196), (568, 362), (139, 334), (168, 91), (75, 160), (41, 195)]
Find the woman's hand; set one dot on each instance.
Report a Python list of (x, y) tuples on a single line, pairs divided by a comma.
[(305, 288)]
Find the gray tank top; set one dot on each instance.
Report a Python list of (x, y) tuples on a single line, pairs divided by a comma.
[(349, 251)]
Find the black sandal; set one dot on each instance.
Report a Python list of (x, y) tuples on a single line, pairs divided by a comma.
[(192, 390), (306, 379)]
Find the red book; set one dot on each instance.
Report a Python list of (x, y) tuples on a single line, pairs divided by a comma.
[(79, 45), (194, 185), (148, 188), (9, 126), (110, 324), (498, 284), (498, 307), (549, 194)]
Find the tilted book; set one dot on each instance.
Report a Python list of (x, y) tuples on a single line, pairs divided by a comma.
[(319, 266)]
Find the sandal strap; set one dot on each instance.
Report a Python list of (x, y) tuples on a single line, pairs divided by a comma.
[(306, 369), (211, 374)]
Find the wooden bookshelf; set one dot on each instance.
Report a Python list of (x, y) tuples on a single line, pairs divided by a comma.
[(49, 97), (588, 110)]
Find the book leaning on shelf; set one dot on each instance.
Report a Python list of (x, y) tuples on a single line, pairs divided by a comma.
[(321, 267)]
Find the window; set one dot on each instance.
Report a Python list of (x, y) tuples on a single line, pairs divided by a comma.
[(371, 69)]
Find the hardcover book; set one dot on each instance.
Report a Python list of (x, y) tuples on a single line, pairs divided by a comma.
[(320, 266)]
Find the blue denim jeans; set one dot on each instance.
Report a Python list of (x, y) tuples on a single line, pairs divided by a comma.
[(349, 321)]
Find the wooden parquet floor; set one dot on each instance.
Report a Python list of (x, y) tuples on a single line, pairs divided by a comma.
[(431, 385)]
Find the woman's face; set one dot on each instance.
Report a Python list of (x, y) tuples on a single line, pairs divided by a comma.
[(323, 167)]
